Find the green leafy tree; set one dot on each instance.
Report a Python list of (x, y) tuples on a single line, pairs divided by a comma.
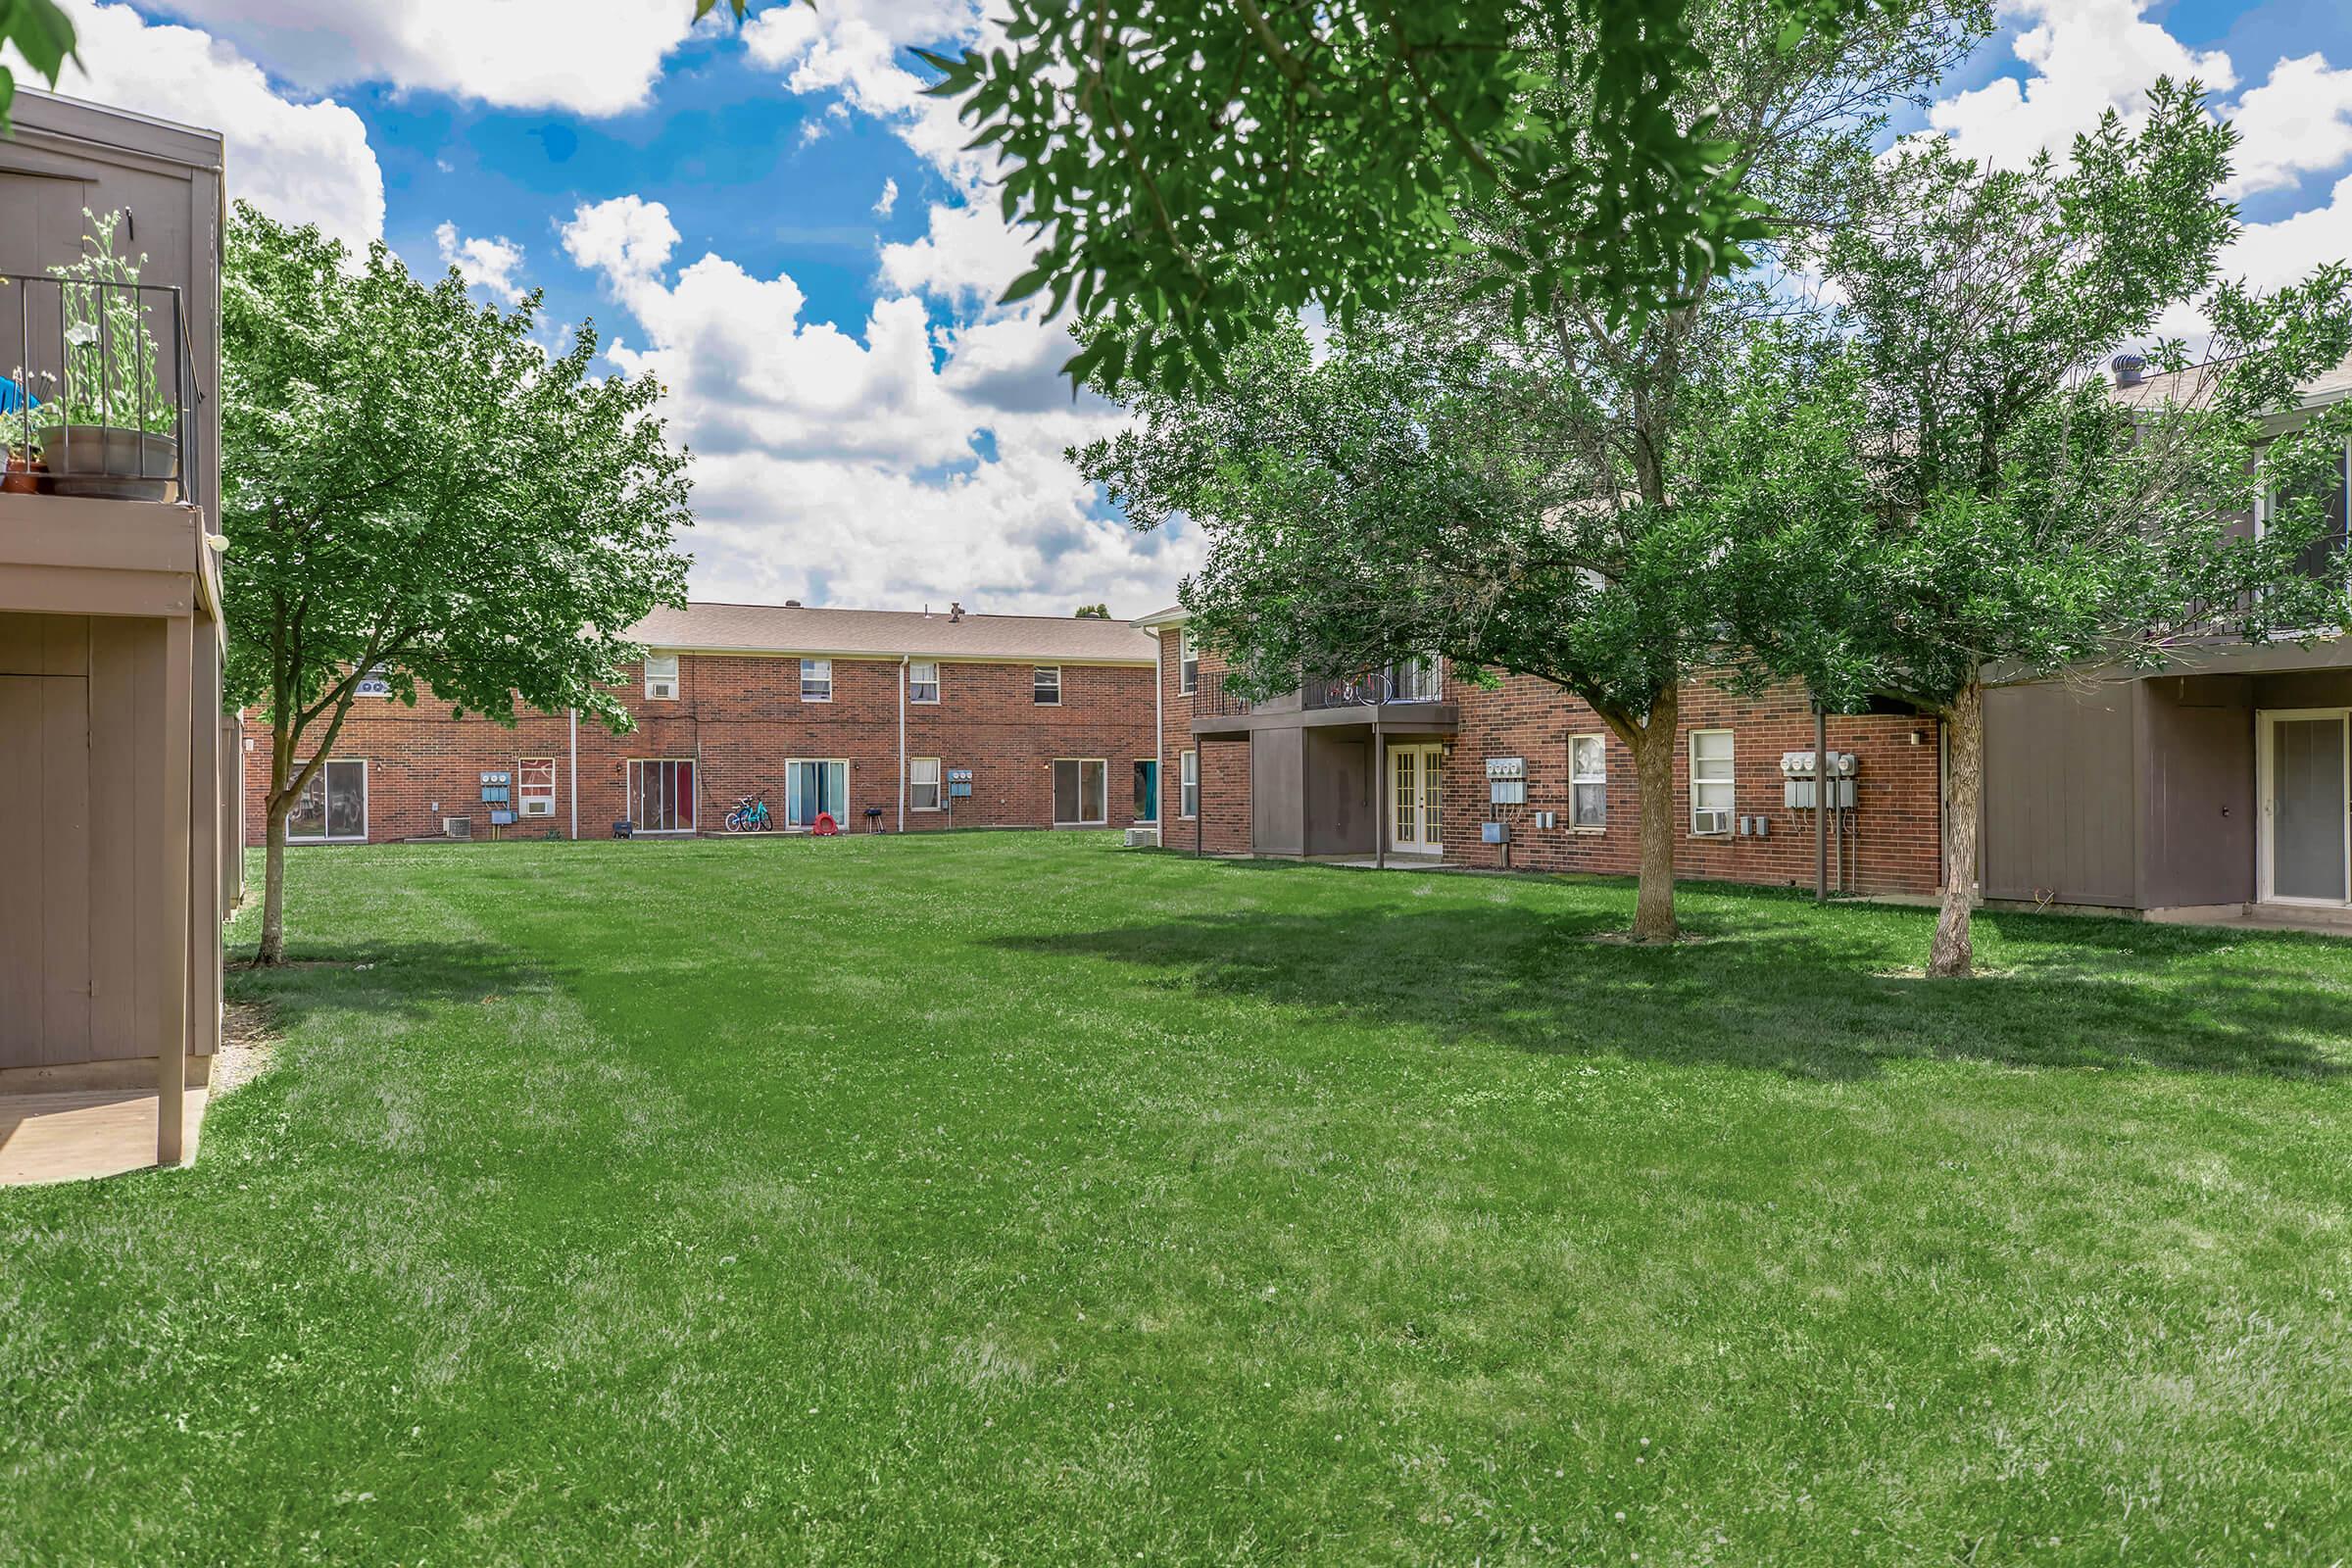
[(1094, 612), (1976, 496), (1512, 482), (41, 36), (414, 490)]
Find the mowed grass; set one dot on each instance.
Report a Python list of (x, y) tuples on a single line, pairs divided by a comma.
[(1012, 1199)]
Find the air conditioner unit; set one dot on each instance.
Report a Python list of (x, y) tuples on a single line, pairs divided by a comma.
[(539, 806), (1143, 838), (1711, 820), (662, 689), (457, 828)]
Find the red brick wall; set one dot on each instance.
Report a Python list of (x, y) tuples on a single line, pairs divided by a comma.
[(1894, 846), (741, 718), (1224, 826)]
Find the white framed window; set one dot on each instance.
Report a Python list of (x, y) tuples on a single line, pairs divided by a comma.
[(332, 807), (923, 682), (374, 683), (1712, 795), (662, 794), (535, 786), (1418, 680), (923, 783), (1081, 791), (1188, 785), (1045, 686), (817, 680), (815, 787), (1187, 663), (660, 677), (1587, 782)]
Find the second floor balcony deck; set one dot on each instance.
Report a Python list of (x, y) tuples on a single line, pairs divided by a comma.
[(1404, 697)]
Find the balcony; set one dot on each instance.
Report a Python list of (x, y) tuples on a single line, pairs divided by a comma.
[(1404, 697), (98, 386)]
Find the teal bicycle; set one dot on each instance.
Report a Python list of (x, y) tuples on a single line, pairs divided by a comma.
[(749, 814)]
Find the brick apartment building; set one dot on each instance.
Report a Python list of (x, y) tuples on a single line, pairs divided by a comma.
[(1296, 776), (865, 716)]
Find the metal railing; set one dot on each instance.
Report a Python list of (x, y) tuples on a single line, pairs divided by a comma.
[(98, 390), (1398, 683), (1212, 699)]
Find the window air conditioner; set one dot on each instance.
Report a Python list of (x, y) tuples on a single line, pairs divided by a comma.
[(539, 806), (1711, 820), (457, 828), (663, 689)]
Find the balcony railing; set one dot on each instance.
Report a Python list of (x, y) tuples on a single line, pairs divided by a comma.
[(1212, 698), (1398, 683), (98, 392)]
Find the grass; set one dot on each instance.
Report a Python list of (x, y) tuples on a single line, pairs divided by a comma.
[(1009, 1199)]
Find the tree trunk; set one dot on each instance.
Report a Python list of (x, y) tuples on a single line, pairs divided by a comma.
[(1954, 954), (1653, 744), (274, 886)]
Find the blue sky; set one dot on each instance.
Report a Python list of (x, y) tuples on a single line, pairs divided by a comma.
[(773, 221)]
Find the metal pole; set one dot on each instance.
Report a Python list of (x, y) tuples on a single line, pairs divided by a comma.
[(1200, 789), (1821, 804), (1382, 808)]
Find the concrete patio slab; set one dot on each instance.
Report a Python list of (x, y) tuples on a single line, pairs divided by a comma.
[(76, 1134)]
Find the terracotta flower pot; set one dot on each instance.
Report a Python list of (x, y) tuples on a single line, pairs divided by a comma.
[(23, 476)]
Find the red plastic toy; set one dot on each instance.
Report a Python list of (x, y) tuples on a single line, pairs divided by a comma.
[(825, 827)]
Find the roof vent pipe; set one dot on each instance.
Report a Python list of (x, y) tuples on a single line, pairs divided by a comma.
[(2128, 368)]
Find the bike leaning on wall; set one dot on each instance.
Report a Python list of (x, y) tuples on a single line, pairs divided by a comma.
[(749, 814)]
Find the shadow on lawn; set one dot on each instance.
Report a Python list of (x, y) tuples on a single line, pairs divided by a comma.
[(404, 979), (1784, 992)]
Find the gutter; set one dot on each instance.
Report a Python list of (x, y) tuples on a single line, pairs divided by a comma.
[(903, 660), (574, 791)]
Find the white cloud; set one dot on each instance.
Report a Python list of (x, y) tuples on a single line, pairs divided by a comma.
[(489, 264), (300, 163), (2297, 122), (591, 57), (967, 253), (2084, 57), (842, 466), (889, 199), (857, 49)]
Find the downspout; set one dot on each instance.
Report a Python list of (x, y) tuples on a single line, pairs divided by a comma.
[(1159, 732), (573, 790), (1821, 804), (903, 658), (1382, 805)]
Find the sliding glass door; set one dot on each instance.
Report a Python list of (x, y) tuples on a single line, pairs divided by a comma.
[(2307, 811), (816, 788), (1081, 791), (662, 794)]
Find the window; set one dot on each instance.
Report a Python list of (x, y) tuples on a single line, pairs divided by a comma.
[(662, 794), (923, 783), (2324, 557), (535, 786), (332, 807), (816, 788), (1417, 682), (922, 683), (374, 683), (660, 676), (1188, 785), (1045, 685), (1188, 664), (1147, 790), (1711, 788), (817, 680), (1587, 782), (1081, 787)]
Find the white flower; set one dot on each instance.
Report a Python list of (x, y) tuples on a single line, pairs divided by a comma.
[(81, 334)]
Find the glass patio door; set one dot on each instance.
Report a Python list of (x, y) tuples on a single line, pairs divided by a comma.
[(2307, 811), (1146, 791), (1416, 811), (813, 789)]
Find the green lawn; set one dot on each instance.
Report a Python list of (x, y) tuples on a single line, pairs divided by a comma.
[(1012, 1199)]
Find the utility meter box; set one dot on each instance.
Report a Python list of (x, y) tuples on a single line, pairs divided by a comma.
[(1495, 832), (497, 787), (1506, 783), (1796, 780), (960, 783)]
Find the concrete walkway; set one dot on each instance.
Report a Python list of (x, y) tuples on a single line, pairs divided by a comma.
[(70, 1135)]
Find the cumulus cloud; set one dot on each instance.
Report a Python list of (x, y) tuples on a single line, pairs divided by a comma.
[(591, 57), (889, 199), (2297, 122), (489, 264), (304, 162), (887, 466), (857, 49)]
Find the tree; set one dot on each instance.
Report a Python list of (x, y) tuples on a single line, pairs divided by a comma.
[(1537, 465), (1093, 613), (44, 38), (1979, 496), (413, 491)]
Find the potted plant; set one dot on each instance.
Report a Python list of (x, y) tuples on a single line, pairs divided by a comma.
[(110, 431)]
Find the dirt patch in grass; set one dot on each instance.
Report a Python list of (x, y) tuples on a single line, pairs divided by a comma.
[(248, 1045)]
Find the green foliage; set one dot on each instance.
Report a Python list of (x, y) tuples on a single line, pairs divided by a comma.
[(1976, 494), (1196, 171), (412, 485), (112, 360), (42, 37), (1093, 613)]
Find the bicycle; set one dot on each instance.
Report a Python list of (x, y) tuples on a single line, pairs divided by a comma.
[(749, 814)]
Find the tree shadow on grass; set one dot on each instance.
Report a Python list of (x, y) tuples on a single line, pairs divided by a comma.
[(400, 979), (1812, 997)]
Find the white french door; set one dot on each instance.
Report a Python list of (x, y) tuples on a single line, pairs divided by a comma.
[(1416, 811), (2305, 764)]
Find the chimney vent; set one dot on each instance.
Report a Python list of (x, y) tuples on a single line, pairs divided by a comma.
[(2128, 368), (792, 604), (955, 611)]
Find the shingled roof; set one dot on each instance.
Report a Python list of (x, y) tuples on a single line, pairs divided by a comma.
[(703, 626)]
